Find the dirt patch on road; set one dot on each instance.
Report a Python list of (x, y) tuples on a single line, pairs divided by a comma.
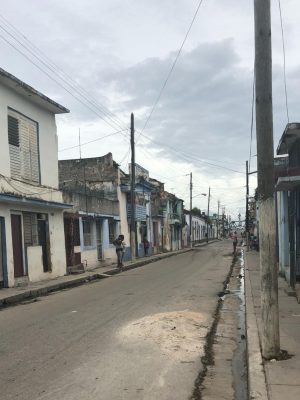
[(179, 334)]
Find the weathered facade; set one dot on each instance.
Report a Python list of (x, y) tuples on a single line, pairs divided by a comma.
[(31, 206), (201, 228), (287, 175), (91, 186), (143, 217)]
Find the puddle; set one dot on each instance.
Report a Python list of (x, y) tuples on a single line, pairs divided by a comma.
[(239, 361)]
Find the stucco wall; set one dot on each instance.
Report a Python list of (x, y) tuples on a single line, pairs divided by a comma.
[(34, 264), (48, 146)]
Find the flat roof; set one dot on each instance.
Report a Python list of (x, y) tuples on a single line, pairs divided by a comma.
[(288, 138), (30, 93), (285, 183)]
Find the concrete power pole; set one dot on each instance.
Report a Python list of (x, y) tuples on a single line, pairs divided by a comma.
[(265, 167), (191, 205), (132, 190), (208, 201)]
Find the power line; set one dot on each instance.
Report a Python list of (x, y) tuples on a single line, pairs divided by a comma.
[(86, 99), (91, 141), (172, 67), (188, 157), (55, 68), (284, 62)]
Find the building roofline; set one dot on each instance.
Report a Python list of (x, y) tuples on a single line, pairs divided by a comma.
[(28, 91)]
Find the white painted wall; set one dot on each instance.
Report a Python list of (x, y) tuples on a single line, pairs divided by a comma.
[(47, 134), (48, 150)]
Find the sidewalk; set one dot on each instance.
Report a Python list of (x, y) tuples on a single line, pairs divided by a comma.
[(18, 295), (273, 379)]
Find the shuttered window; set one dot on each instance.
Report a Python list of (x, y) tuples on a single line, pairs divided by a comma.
[(23, 147)]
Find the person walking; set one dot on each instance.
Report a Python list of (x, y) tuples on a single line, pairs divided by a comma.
[(234, 242), (120, 249)]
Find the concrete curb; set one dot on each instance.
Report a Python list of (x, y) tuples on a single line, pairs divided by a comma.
[(30, 294), (257, 386)]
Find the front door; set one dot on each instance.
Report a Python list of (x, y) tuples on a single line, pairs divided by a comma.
[(44, 242), (17, 242)]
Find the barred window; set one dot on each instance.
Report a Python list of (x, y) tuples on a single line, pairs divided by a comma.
[(87, 232), (111, 230)]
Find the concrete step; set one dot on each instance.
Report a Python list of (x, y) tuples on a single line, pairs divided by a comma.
[(75, 269)]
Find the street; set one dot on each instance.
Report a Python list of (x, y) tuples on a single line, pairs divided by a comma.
[(137, 335)]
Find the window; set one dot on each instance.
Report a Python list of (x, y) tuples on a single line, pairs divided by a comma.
[(23, 147), (13, 131), (87, 232), (30, 229), (111, 230)]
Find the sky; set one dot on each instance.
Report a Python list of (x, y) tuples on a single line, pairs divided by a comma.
[(105, 59)]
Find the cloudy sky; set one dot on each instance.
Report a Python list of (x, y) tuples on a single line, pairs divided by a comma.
[(120, 52)]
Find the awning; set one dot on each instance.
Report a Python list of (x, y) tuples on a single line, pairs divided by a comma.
[(286, 183), (27, 201)]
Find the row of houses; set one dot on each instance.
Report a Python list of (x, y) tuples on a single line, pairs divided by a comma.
[(287, 204), (56, 216)]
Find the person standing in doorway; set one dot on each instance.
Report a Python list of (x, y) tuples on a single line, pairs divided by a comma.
[(120, 249)]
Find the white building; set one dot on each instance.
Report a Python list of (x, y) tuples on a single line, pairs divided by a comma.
[(200, 229), (32, 243)]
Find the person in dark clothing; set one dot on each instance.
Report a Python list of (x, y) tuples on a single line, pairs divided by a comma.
[(234, 242), (146, 246), (120, 249)]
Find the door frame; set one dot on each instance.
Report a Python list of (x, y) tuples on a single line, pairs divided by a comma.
[(4, 252), (25, 266)]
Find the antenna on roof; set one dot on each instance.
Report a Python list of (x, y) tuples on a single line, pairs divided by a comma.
[(79, 144)]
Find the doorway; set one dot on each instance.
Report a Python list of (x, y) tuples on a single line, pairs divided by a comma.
[(3, 257), (17, 242), (99, 239), (44, 240)]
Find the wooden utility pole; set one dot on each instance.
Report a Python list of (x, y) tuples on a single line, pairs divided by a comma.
[(208, 201), (191, 206), (265, 167), (132, 190), (247, 206)]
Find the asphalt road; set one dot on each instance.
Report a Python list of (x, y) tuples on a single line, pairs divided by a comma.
[(137, 335)]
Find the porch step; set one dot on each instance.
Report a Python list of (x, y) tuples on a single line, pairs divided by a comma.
[(23, 281), (75, 269)]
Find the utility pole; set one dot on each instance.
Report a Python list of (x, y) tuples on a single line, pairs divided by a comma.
[(247, 206), (208, 201), (223, 222), (132, 189), (218, 219), (265, 167), (191, 206)]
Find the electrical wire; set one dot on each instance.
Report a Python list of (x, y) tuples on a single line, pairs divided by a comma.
[(91, 141), (60, 84), (188, 157), (49, 64), (172, 67), (284, 62)]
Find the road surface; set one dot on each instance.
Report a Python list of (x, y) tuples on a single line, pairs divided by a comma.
[(137, 335)]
